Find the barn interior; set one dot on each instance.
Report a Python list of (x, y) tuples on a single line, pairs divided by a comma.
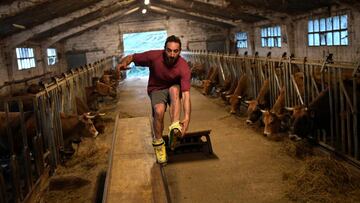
[(65, 48)]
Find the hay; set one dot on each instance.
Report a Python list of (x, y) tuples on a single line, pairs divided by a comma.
[(91, 152), (322, 180), (300, 149), (67, 183)]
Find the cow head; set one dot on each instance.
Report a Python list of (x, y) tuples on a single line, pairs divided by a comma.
[(253, 112), (89, 128), (35, 88), (99, 122), (301, 122), (105, 90), (274, 123), (234, 103), (206, 87), (106, 79)]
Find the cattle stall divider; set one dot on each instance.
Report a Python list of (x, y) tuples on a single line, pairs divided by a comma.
[(31, 137), (303, 79)]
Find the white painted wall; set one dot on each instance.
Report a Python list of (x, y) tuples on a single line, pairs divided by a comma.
[(341, 53), (107, 40), (294, 39)]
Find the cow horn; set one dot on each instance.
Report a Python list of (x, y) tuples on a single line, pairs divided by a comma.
[(247, 101), (239, 97), (290, 108), (263, 111), (87, 115), (101, 114)]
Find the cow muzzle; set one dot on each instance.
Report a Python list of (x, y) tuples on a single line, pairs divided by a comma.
[(96, 134), (249, 122), (267, 133), (294, 137)]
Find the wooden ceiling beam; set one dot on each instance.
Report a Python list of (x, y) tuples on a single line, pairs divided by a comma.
[(170, 11), (121, 13), (18, 38)]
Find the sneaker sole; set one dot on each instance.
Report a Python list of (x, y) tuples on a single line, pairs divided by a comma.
[(173, 139)]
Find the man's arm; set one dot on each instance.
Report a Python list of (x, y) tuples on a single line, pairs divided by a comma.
[(187, 111)]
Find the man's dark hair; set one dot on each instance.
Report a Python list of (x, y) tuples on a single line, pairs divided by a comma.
[(173, 38)]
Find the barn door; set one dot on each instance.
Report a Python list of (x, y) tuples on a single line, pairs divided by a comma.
[(75, 60)]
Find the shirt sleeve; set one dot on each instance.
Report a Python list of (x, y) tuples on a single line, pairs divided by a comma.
[(185, 78), (142, 59)]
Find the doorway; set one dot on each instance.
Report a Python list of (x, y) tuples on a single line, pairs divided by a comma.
[(140, 42)]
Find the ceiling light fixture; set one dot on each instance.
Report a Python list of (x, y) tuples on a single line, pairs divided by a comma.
[(146, 2), (143, 11)]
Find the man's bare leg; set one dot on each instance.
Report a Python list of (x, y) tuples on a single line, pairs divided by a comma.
[(158, 124), (175, 104), (175, 108)]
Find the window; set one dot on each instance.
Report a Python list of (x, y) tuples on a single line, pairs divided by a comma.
[(331, 31), (271, 36), (25, 58), (241, 40), (51, 54)]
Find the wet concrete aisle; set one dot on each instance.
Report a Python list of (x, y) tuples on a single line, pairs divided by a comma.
[(246, 168)]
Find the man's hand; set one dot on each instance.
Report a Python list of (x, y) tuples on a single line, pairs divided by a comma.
[(184, 125), (124, 63), (122, 66)]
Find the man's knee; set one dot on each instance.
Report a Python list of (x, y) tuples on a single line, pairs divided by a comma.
[(159, 111), (174, 91)]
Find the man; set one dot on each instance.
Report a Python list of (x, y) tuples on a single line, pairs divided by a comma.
[(169, 81)]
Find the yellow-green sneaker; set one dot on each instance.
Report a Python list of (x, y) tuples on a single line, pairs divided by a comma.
[(174, 134), (160, 151)]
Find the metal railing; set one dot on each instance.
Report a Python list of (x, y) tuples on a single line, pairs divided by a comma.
[(303, 80), (34, 150)]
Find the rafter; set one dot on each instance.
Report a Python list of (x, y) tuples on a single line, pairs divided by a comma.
[(21, 37), (234, 11), (40, 14), (83, 19), (258, 10), (166, 10), (88, 25), (11, 7)]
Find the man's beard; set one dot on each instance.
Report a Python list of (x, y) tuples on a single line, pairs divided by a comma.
[(170, 61)]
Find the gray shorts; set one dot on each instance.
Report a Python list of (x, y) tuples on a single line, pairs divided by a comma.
[(160, 96)]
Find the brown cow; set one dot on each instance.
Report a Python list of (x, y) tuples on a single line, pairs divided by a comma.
[(239, 93), (109, 80), (274, 118), (225, 87), (262, 102), (198, 71), (225, 95), (82, 108), (105, 90), (14, 120), (99, 89), (305, 120), (73, 128), (210, 81)]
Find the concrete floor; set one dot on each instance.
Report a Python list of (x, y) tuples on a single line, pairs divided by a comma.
[(247, 166)]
